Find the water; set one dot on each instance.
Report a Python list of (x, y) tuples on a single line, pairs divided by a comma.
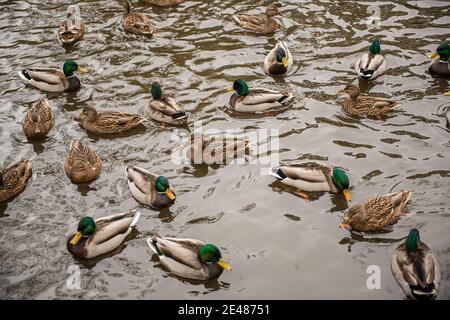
[(280, 246)]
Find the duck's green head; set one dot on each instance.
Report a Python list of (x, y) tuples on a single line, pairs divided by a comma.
[(241, 88), (71, 66), (156, 91), (375, 47), (412, 241), (342, 181), (443, 51), (282, 57), (162, 185), (209, 253), (86, 227)]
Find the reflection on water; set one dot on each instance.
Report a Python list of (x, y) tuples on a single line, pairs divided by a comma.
[(262, 227)]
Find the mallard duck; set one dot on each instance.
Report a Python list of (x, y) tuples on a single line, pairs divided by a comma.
[(165, 109), (54, 80), (96, 237), (376, 213), (259, 23), (82, 164), (357, 105), (372, 64), (14, 179), (108, 121), (216, 149), (164, 3), (279, 60), (136, 22), (71, 29), (149, 189), (189, 258), (440, 66), (314, 177), (415, 268), (257, 99), (39, 120)]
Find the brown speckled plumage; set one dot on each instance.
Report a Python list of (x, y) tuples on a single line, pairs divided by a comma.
[(357, 105), (14, 179), (82, 164), (377, 213), (39, 120), (108, 121)]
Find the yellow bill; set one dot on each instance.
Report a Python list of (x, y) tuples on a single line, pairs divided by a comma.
[(433, 55), (284, 62), (81, 69), (76, 238), (230, 89), (447, 94), (170, 194), (224, 265), (347, 195)]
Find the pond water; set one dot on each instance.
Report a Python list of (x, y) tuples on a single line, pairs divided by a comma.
[(279, 245)]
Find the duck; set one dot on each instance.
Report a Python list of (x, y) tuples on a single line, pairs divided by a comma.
[(54, 80), (216, 149), (95, 237), (164, 3), (107, 122), (257, 99), (440, 66), (312, 176), (137, 22), (14, 179), (39, 120), (415, 268), (189, 258), (279, 60), (71, 29), (165, 109), (376, 213), (355, 104), (372, 64), (82, 164), (149, 189), (259, 23)]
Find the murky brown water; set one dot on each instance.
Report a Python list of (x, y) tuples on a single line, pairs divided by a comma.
[(279, 245)]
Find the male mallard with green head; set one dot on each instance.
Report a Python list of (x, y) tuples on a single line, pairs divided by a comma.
[(14, 179), (54, 80), (440, 66), (257, 99), (100, 236), (165, 109), (39, 120), (376, 213), (71, 29), (82, 164), (415, 268), (314, 177), (259, 23), (149, 189), (108, 122), (279, 60), (355, 104), (189, 258), (372, 64)]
